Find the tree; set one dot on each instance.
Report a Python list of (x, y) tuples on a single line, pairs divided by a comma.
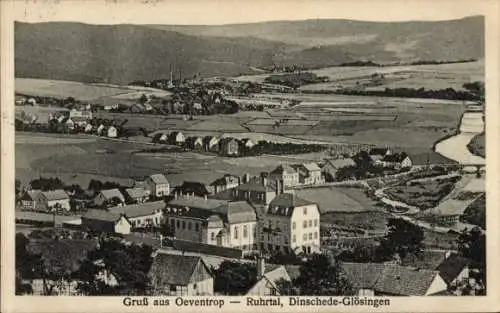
[(234, 278), (128, 264), (18, 186), (476, 89), (472, 245), (26, 265), (402, 238), (320, 276)]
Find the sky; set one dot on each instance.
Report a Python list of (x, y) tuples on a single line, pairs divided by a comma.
[(216, 12)]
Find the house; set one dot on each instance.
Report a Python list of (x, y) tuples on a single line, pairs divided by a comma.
[(67, 254), (269, 276), (452, 267), (291, 225), (246, 144), (109, 197), (380, 151), (194, 143), (142, 215), (104, 221), (397, 160), (211, 143), (331, 167), (28, 199), (310, 174), (228, 147), (112, 132), (100, 129), (163, 138), (191, 188), (214, 222), (257, 190), (287, 174), (137, 195), (382, 279), (158, 185), (180, 275), (80, 121), (176, 138), (89, 128), (54, 199), (69, 123), (226, 182)]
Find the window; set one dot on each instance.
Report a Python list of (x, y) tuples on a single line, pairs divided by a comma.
[(172, 223), (316, 235), (197, 226), (178, 224), (315, 222), (294, 238), (305, 210), (304, 225), (304, 238), (183, 224), (310, 223), (212, 236), (293, 225), (173, 288), (189, 225), (245, 231), (235, 232), (310, 236)]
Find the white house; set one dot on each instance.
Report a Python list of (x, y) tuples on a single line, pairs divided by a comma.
[(291, 225), (285, 173), (54, 199), (112, 132), (100, 129), (310, 174), (215, 222), (88, 128), (106, 222), (268, 278), (142, 215), (158, 185)]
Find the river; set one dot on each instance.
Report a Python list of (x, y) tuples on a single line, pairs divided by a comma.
[(455, 148)]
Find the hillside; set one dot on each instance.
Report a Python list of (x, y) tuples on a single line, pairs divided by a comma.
[(124, 53)]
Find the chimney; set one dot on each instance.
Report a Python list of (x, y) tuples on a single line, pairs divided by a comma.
[(206, 197), (278, 187), (261, 267), (247, 178), (264, 181), (239, 180)]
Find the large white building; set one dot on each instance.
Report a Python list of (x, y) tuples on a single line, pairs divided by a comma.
[(291, 224), (215, 222)]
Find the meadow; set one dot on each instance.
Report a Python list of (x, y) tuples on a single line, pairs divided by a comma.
[(81, 91)]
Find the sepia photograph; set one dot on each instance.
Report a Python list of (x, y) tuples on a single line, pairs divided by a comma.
[(289, 162)]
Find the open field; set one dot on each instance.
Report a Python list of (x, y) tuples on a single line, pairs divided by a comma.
[(432, 76), (78, 162), (374, 221), (84, 92)]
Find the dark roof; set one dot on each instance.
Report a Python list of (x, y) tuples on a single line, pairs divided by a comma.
[(64, 254), (284, 204), (255, 184), (283, 169), (378, 151), (389, 278), (395, 158), (224, 180), (112, 193), (102, 215), (452, 266), (425, 259), (136, 210), (189, 187), (174, 269), (197, 202), (58, 194)]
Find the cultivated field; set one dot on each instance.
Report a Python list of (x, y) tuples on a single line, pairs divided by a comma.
[(84, 92)]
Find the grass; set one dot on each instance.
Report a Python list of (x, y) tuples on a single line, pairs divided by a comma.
[(85, 92), (425, 194), (374, 221), (477, 145)]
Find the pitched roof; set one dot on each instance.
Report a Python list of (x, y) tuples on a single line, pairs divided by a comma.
[(112, 193), (136, 210), (224, 180), (240, 212), (425, 259), (197, 202), (405, 281), (389, 278), (339, 163), (189, 187), (284, 204), (159, 179), (311, 167), (137, 192), (102, 215), (174, 269), (31, 194), (255, 184), (452, 266), (53, 195), (283, 168)]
